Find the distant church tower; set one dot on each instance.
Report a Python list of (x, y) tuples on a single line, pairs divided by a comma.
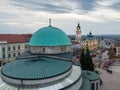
[(78, 33)]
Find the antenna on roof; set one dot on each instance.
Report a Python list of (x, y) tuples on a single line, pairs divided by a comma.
[(49, 21)]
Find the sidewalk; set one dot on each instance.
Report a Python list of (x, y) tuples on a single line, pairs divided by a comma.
[(110, 81)]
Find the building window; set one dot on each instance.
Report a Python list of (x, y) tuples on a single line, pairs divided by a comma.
[(97, 86), (62, 49), (14, 48), (18, 53), (9, 55), (25, 46), (18, 47), (14, 55), (43, 49), (93, 86), (8, 48), (3, 49), (3, 56)]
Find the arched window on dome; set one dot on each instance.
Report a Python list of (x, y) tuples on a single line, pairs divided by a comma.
[(62, 49), (43, 49)]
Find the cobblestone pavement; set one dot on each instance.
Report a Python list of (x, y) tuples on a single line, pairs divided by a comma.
[(111, 81)]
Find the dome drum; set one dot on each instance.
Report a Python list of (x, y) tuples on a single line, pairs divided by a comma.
[(36, 72), (69, 81), (35, 82), (49, 50)]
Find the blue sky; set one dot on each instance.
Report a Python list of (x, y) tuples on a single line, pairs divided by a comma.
[(27, 16)]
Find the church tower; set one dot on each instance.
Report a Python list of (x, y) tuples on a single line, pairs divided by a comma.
[(78, 33)]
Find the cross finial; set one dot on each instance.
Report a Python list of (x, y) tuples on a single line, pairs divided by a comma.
[(78, 24), (49, 21)]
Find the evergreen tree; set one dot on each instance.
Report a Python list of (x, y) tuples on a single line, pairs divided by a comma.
[(90, 65), (86, 60), (83, 60)]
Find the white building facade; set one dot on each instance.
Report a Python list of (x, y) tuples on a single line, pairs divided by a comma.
[(78, 33), (118, 50), (11, 46)]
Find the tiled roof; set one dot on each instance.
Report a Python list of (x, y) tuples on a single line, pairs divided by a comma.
[(36, 69), (92, 76), (49, 36), (75, 42), (15, 38), (117, 44)]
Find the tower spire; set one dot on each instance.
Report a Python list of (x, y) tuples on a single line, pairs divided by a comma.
[(78, 25), (90, 33), (78, 32), (49, 21)]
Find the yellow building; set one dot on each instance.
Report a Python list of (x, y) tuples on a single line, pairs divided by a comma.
[(91, 42)]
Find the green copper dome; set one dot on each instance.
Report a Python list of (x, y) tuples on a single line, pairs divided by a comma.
[(90, 35), (49, 36)]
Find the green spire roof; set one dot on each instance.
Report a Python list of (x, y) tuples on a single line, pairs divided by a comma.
[(49, 36), (90, 36)]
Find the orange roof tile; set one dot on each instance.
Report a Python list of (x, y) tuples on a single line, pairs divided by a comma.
[(15, 38)]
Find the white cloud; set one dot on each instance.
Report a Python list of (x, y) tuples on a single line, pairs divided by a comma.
[(106, 14), (98, 14), (107, 2), (26, 18)]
